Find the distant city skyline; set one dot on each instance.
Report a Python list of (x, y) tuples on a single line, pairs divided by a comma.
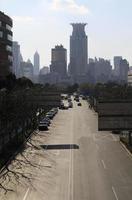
[(42, 24)]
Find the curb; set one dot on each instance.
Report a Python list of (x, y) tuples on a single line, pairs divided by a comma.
[(126, 149)]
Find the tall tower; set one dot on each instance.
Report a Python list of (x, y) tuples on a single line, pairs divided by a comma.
[(59, 61), (36, 63), (78, 50), (117, 60)]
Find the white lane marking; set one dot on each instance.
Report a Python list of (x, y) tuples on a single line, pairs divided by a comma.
[(26, 194), (103, 163), (128, 152), (113, 189)]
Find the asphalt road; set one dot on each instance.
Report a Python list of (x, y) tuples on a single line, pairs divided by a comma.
[(72, 161)]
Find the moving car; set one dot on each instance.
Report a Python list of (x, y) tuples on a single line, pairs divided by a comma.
[(70, 105), (79, 104), (61, 105)]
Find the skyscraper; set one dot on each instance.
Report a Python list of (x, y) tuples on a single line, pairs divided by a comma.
[(117, 60), (78, 50), (59, 61), (36, 63), (16, 59)]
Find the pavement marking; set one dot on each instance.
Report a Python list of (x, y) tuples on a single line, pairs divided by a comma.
[(103, 163), (115, 194), (26, 194)]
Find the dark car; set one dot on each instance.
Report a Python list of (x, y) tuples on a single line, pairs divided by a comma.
[(61, 105), (77, 99), (70, 105), (79, 104), (43, 126), (46, 120)]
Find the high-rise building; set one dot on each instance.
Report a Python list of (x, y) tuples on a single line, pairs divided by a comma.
[(45, 70), (5, 45), (27, 70), (59, 61), (117, 60), (124, 68), (36, 63), (16, 59), (78, 50)]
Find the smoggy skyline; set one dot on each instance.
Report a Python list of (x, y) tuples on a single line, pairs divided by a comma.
[(42, 24)]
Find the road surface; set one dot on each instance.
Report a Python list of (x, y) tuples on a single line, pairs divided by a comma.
[(72, 161)]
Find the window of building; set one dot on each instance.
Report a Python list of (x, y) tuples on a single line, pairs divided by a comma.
[(1, 34), (9, 37), (0, 23), (8, 27), (9, 48)]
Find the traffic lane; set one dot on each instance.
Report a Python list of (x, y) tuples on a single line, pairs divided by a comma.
[(116, 161), (119, 165), (90, 178)]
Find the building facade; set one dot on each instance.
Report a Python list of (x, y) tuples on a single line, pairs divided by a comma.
[(27, 70), (36, 63), (117, 60), (59, 61), (45, 70), (16, 59), (124, 68), (5, 45), (78, 50)]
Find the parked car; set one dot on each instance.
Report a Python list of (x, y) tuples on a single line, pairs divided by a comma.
[(79, 104), (46, 119), (49, 115), (43, 126)]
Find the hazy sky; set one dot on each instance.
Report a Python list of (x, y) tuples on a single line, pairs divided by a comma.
[(42, 24)]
